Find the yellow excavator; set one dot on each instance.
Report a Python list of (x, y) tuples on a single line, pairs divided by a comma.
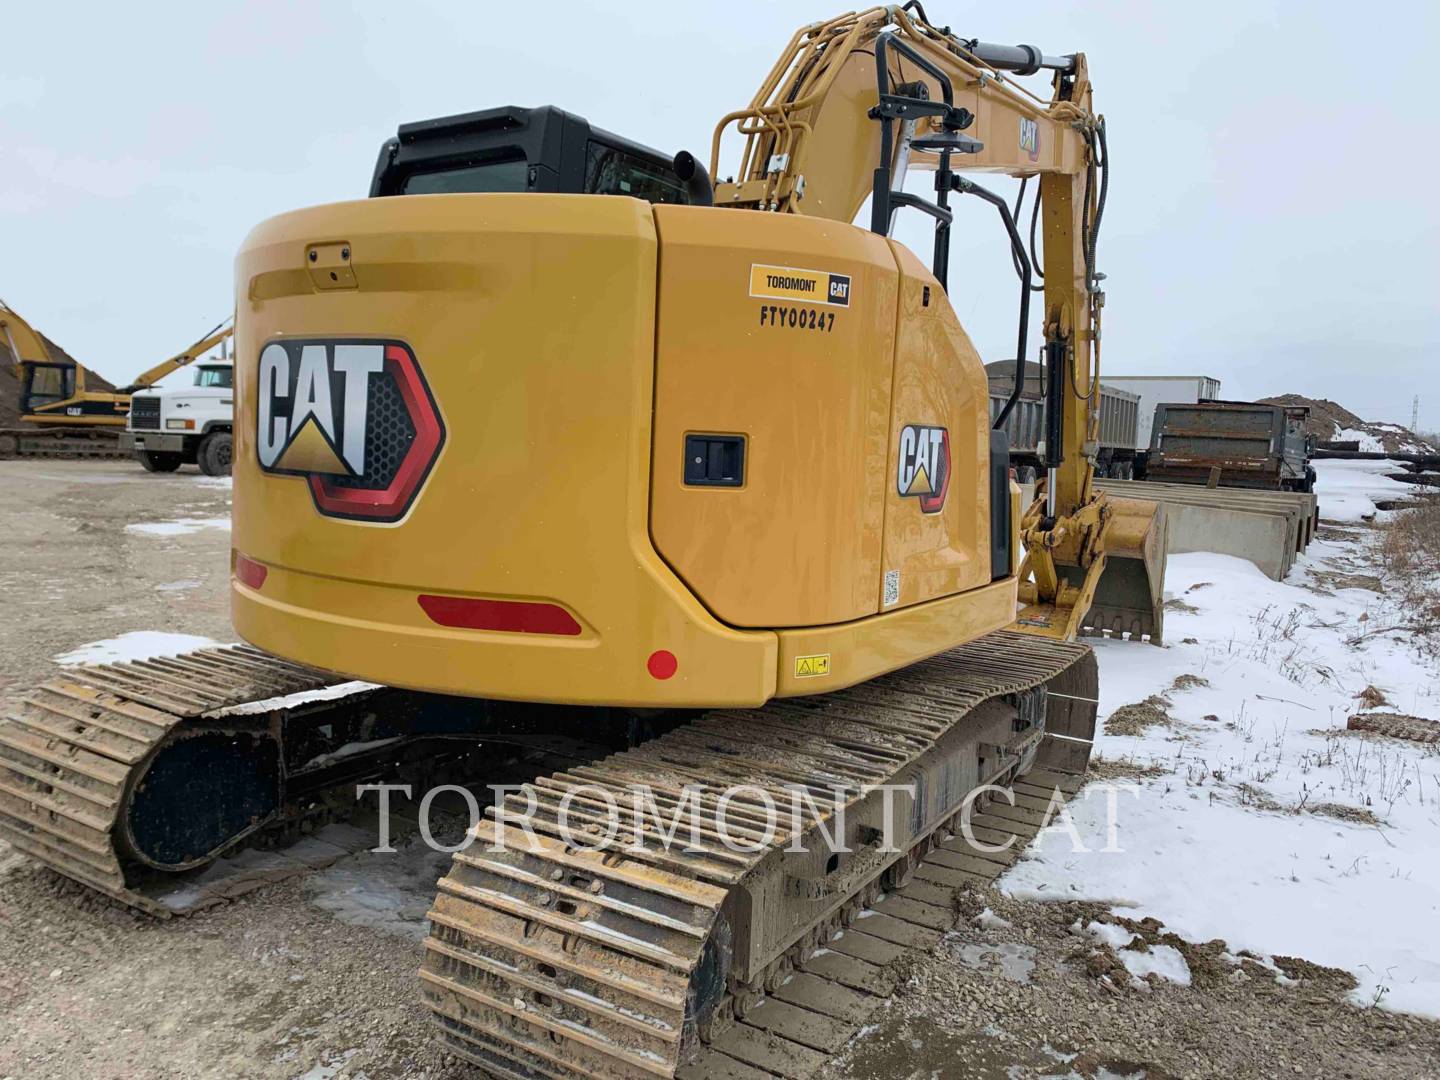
[(68, 418), (553, 430)]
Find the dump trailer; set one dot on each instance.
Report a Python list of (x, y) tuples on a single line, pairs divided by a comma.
[(1115, 455), (1154, 389), (1232, 444), (552, 431)]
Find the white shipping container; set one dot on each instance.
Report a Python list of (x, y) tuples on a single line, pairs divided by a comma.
[(1162, 389)]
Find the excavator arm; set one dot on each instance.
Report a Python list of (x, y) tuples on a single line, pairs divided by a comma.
[(25, 344), (52, 388), (853, 105), (219, 335)]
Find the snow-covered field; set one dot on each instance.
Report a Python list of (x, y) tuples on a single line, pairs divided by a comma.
[(1348, 489), (1260, 820)]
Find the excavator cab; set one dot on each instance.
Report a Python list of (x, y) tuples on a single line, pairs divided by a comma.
[(513, 150), (44, 384)]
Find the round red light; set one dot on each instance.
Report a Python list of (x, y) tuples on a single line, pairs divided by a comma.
[(662, 664)]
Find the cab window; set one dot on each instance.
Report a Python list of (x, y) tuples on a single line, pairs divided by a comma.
[(48, 383), (609, 171), (490, 176), (215, 376)]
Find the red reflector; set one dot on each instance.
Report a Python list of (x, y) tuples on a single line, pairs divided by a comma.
[(515, 616), (251, 573), (662, 664)]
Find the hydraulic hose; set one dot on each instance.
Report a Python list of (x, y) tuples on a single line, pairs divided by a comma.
[(1017, 249)]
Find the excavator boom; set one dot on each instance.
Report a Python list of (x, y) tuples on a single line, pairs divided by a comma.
[(216, 338), (856, 103)]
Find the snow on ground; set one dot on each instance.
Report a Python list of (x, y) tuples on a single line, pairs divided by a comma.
[(1403, 440), (1260, 820), (136, 645), (178, 527), (1162, 960), (183, 585), (1368, 443), (1347, 490)]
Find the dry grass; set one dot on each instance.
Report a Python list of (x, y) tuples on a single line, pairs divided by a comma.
[(1410, 547), (1138, 718), (1372, 697)]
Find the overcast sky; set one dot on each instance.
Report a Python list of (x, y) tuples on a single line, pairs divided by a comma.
[(1272, 217)]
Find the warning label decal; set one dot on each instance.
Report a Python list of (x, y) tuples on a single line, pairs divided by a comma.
[(807, 667)]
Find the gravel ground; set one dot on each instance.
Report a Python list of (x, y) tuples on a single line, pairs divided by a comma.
[(70, 573), (1040, 999), (273, 986)]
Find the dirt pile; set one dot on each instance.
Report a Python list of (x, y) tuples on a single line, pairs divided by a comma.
[(1329, 419), (10, 382), (9, 391)]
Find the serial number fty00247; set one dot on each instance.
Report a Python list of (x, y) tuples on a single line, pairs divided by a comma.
[(782, 315)]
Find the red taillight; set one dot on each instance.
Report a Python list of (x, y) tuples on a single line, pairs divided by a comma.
[(251, 573), (513, 616)]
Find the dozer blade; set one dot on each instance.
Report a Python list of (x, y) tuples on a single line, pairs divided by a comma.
[(1129, 598)]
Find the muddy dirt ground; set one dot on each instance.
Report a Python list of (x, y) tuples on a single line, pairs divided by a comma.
[(274, 986)]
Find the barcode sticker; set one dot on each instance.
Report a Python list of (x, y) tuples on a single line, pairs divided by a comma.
[(892, 588)]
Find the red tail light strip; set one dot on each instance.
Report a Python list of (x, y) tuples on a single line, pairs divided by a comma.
[(251, 573), (513, 616)]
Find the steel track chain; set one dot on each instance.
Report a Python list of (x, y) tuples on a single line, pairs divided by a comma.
[(553, 961), (70, 749)]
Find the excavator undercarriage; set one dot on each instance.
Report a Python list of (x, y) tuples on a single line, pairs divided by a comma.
[(566, 940), (548, 959)]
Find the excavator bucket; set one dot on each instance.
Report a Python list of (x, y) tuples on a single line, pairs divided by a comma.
[(1129, 597)]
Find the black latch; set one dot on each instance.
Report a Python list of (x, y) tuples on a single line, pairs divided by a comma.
[(714, 460)]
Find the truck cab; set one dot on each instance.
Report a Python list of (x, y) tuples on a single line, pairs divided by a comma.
[(188, 425)]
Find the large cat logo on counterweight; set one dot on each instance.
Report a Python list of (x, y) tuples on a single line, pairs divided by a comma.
[(355, 418), (924, 466)]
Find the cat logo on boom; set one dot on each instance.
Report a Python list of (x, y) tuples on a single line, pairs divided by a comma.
[(1030, 138), (355, 418), (923, 471)]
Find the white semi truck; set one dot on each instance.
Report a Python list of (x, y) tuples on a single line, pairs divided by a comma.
[(186, 425)]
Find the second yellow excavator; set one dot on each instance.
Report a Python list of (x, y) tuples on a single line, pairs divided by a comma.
[(552, 428), (64, 416)]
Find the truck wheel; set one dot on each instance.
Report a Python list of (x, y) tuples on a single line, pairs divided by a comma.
[(157, 460), (214, 454)]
